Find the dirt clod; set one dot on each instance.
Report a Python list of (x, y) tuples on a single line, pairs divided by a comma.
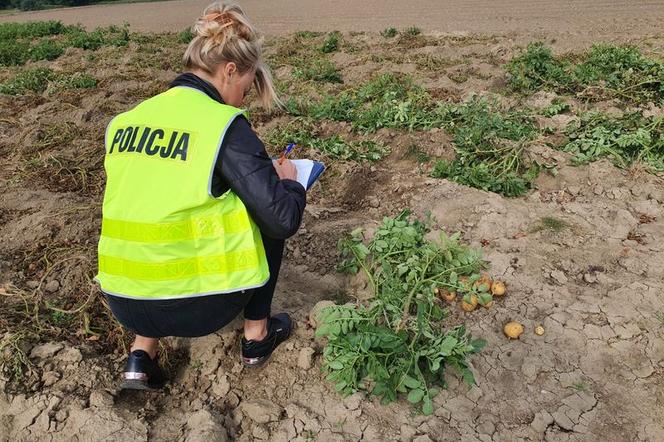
[(261, 411), (71, 355), (315, 311), (101, 399), (52, 286), (47, 350), (305, 358), (203, 426)]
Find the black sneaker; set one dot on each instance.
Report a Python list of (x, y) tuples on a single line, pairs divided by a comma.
[(256, 353), (142, 372)]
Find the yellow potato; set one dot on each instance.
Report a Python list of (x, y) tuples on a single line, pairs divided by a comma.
[(485, 279), (449, 296), (539, 330), (498, 288), (513, 330), (469, 306)]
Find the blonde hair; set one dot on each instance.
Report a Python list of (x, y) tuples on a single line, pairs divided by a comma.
[(224, 34)]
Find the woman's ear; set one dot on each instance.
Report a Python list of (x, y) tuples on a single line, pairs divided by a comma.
[(230, 69)]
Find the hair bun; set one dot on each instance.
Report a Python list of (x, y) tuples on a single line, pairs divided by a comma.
[(222, 21)]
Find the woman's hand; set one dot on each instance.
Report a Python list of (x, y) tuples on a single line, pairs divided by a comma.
[(286, 170)]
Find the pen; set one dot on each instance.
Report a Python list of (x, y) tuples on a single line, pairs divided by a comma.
[(286, 152)]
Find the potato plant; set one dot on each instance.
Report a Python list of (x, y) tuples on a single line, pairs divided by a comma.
[(397, 342)]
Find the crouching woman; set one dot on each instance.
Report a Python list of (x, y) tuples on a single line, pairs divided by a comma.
[(195, 212)]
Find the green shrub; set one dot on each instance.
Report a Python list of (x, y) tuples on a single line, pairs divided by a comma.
[(331, 43), (605, 71), (412, 31), (38, 79), (29, 80), (304, 132), (629, 139), (623, 71), (13, 53), (88, 40), (480, 176), (400, 343), (77, 81), (111, 36), (386, 100), (536, 69), (11, 31), (46, 50), (116, 36), (556, 107), (318, 69), (186, 36), (389, 32), (489, 145)]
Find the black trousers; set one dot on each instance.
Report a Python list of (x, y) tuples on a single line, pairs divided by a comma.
[(199, 316)]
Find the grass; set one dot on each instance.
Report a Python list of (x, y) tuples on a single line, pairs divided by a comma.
[(660, 317), (331, 43), (580, 386), (605, 71), (186, 36), (551, 224), (307, 34), (31, 80), (13, 53), (320, 70), (14, 362), (37, 80), (11, 31), (308, 55), (20, 42), (46, 50), (416, 154), (433, 63), (412, 31), (389, 32)]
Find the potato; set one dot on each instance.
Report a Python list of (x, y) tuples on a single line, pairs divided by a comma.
[(539, 330), (449, 296), (513, 330), (498, 288), (485, 279), (469, 306)]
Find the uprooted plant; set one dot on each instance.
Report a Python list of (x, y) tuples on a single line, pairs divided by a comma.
[(334, 147), (625, 140), (397, 342), (490, 148), (605, 71)]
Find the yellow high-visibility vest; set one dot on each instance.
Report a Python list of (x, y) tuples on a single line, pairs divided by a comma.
[(163, 234)]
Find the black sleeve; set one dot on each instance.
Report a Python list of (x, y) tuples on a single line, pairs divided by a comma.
[(243, 165)]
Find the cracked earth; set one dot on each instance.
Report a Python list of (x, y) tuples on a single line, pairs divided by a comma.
[(595, 286)]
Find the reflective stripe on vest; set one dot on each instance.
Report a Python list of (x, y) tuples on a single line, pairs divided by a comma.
[(195, 228), (163, 234)]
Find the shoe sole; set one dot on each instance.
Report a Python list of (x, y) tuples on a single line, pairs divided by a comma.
[(255, 362), (135, 384)]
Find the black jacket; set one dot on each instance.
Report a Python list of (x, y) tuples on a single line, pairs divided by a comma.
[(245, 167)]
